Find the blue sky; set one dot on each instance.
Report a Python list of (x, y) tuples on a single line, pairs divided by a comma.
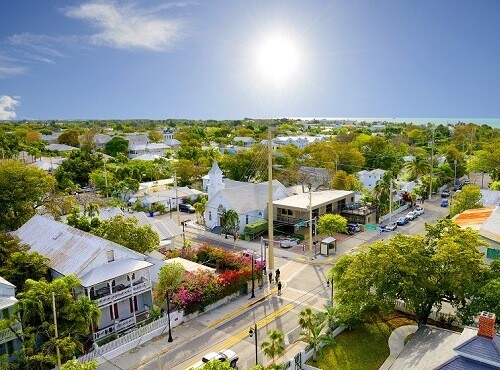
[(200, 59)]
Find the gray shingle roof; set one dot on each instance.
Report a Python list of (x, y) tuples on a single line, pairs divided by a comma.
[(484, 348), (462, 363)]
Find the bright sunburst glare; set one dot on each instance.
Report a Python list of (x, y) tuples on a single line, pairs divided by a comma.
[(278, 59)]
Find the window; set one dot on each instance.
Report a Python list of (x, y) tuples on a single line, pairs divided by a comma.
[(246, 219), (329, 208), (133, 304), (111, 255), (209, 215), (5, 313), (352, 199), (133, 276)]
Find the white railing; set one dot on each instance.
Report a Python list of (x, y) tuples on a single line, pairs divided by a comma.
[(7, 334), (145, 285), (125, 323)]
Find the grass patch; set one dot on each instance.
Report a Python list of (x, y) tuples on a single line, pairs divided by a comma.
[(364, 347)]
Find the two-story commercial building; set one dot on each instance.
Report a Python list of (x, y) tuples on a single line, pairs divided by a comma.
[(293, 212), (116, 277), (10, 341)]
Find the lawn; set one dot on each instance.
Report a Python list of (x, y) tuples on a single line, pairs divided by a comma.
[(364, 347)]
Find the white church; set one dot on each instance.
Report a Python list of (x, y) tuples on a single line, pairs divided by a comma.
[(249, 200)]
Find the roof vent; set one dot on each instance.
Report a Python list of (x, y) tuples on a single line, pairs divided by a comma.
[(57, 235)]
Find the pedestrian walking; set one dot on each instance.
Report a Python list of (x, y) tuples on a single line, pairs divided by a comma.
[(270, 277), (277, 273), (279, 287)]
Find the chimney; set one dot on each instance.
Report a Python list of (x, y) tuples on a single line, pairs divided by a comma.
[(487, 325)]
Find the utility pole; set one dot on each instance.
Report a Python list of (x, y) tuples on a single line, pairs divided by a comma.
[(58, 354), (105, 177), (177, 198), (432, 163), (390, 201), (455, 178), (270, 209), (310, 223)]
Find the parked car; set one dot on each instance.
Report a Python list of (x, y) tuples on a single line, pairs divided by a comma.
[(444, 203), (411, 216), (256, 257), (391, 226), (445, 194), (402, 221), (419, 210), (289, 242), (353, 227), (226, 355), (186, 208), (457, 187)]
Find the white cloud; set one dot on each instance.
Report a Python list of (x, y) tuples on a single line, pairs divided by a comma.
[(43, 44), (10, 71), (7, 107), (128, 27)]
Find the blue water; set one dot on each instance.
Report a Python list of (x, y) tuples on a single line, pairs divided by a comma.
[(493, 122)]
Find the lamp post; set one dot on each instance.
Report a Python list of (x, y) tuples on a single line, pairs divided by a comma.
[(251, 332), (170, 339), (183, 233), (455, 177), (329, 282), (253, 281)]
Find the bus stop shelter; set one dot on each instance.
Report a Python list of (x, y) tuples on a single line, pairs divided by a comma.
[(326, 245)]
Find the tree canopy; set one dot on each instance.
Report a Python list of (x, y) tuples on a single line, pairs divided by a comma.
[(469, 197), (329, 224), (22, 190), (423, 271), (117, 145)]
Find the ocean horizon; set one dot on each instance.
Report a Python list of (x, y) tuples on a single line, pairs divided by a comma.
[(493, 122)]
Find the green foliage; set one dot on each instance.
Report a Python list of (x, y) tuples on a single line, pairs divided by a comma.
[(76, 365), (169, 279), (256, 228), (469, 197), (217, 365), (274, 347), (22, 190), (77, 168), (74, 318), (329, 224), (155, 136), (230, 221), (127, 232), (424, 271), (117, 145), (69, 137), (495, 185), (342, 181), (487, 160)]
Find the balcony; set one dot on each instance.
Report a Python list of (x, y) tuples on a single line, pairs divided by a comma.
[(288, 220), (120, 325), (7, 334), (120, 291)]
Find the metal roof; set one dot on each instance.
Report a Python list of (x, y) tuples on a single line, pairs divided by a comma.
[(70, 251), (112, 270), (319, 198), (165, 227)]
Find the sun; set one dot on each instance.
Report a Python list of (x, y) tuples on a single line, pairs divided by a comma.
[(277, 59)]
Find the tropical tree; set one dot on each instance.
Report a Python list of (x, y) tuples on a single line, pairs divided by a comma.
[(76, 365), (117, 145), (200, 209), (22, 265), (342, 181), (230, 221), (274, 347), (23, 189), (417, 167), (155, 136), (69, 137), (127, 232), (306, 321), (469, 197), (382, 191), (329, 224), (217, 365), (75, 317), (316, 337), (423, 271)]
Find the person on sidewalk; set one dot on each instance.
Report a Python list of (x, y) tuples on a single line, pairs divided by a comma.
[(270, 277), (277, 273), (279, 287)]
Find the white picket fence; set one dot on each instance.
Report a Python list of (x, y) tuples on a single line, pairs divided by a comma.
[(393, 213), (134, 338)]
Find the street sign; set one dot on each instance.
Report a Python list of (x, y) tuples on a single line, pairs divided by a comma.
[(371, 227)]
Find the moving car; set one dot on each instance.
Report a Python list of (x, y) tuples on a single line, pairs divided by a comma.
[(289, 242), (226, 355), (391, 226), (186, 208), (402, 221), (353, 227), (256, 257), (419, 210), (411, 216), (444, 203)]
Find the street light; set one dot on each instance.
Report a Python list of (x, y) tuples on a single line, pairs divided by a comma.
[(183, 233), (251, 333), (170, 339), (329, 282), (253, 281)]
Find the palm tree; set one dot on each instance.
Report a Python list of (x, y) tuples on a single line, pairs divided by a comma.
[(316, 337), (382, 191), (230, 221), (306, 320), (274, 348), (200, 209), (417, 167)]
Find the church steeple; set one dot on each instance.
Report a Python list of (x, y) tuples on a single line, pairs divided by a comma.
[(215, 180)]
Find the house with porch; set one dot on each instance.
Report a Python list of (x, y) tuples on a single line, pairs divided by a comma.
[(370, 179), (117, 278), (291, 214), (10, 338)]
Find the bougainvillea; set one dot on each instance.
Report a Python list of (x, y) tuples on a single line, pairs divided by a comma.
[(202, 287)]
